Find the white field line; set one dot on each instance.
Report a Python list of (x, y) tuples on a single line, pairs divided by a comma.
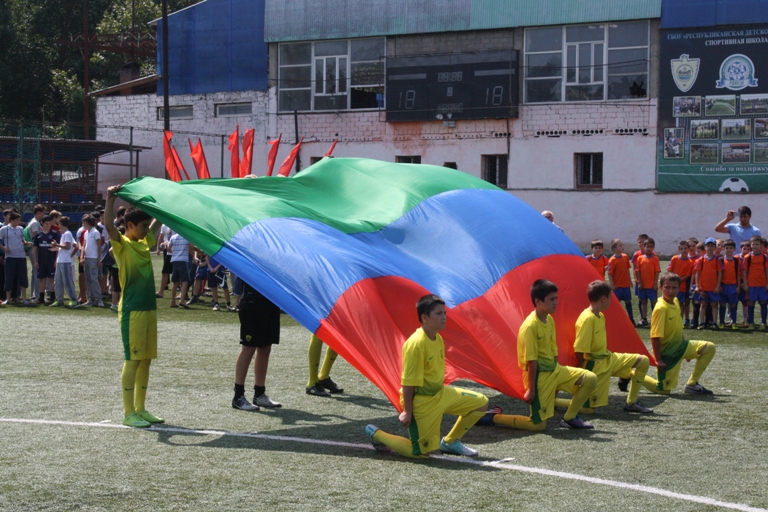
[(500, 464)]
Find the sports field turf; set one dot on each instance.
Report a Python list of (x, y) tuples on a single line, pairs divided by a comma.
[(721, 109), (62, 447)]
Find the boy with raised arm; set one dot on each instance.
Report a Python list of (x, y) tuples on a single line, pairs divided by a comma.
[(137, 311), (425, 398)]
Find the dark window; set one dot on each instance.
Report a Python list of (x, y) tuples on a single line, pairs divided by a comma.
[(495, 170), (415, 159), (450, 165), (589, 170)]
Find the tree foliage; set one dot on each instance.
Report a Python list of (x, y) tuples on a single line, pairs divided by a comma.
[(42, 80)]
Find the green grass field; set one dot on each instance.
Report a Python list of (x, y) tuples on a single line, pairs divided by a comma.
[(721, 108), (63, 449)]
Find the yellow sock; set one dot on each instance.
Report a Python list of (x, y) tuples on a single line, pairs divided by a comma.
[(588, 385), (565, 403), (399, 444), (650, 384), (702, 362), (637, 379), (330, 358), (142, 379), (315, 348), (518, 422), (128, 384), (463, 424)]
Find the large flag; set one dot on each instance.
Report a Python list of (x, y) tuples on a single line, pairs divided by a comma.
[(198, 158), (170, 162), (347, 247), (176, 159), (285, 167), (247, 162), (234, 148), (273, 154)]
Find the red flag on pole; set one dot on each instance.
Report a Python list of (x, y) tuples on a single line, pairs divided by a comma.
[(198, 158), (179, 165), (247, 162), (234, 148), (285, 168), (170, 162), (273, 154), (331, 150)]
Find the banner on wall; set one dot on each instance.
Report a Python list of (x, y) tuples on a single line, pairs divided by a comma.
[(713, 110)]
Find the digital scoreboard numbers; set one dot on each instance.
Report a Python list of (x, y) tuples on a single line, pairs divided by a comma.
[(451, 87)]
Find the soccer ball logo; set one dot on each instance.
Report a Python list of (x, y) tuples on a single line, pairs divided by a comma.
[(734, 185)]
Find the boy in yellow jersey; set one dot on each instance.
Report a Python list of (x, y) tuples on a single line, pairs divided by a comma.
[(137, 311), (669, 347), (591, 348), (320, 383), (543, 377), (425, 398)]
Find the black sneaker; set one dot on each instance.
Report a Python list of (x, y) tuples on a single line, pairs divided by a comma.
[(243, 404), (696, 389), (331, 386), (638, 407), (317, 390), (623, 384)]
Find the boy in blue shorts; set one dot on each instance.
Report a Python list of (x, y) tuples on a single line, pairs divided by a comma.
[(730, 296), (755, 281), (647, 269), (423, 396), (543, 377), (744, 292), (137, 311), (44, 258), (709, 274), (669, 347), (619, 266)]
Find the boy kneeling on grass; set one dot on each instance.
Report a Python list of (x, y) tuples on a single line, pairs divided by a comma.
[(543, 377), (425, 398), (669, 347), (591, 348), (137, 311)]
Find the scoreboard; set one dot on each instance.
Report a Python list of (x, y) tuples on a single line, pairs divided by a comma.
[(449, 87)]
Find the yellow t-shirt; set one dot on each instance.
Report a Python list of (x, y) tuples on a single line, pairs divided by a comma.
[(667, 325), (536, 341), (591, 339), (424, 363), (134, 270)]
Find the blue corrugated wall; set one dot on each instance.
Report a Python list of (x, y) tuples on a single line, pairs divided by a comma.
[(215, 46), (710, 13)]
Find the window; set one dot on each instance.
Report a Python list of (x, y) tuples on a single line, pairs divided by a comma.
[(495, 170), (180, 112), (331, 75), (450, 165), (314, 159), (234, 109), (589, 170), (587, 62), (415, 159)]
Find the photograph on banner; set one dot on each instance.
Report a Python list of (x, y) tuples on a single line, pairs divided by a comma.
[(736, 153), (724, 105), (674, 141), (687, 106), (713, 110), (761, 128), (753, 104), (708, 129), (761, 152), (737, 129), (705, 153)]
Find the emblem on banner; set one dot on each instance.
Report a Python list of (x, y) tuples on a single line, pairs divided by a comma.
[(736, 73), (685, 71)]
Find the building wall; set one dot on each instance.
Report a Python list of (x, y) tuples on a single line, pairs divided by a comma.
[(115, 114)]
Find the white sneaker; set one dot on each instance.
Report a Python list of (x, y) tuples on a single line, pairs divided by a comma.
[(264, 401), (243, 404), (100, 304), (87, 304)]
